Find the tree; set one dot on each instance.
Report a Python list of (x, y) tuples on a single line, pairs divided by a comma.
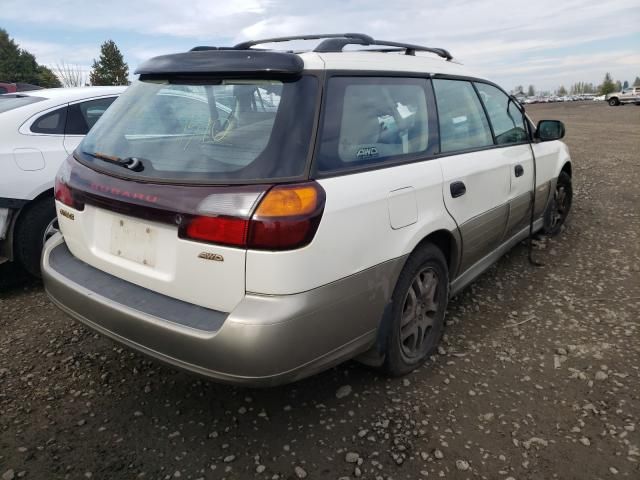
[(70, 75), (607, 86), (618, 85), (636, 82), (110, 68), (47, 79), (18, 65), (625, 85), (562, 91), (531, 91), (518, 89)]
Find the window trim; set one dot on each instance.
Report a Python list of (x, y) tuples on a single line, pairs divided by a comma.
[(432, 149)]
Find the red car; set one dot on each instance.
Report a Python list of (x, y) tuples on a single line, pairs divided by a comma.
[(16, 87)]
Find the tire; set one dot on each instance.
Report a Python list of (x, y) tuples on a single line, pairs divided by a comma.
[(35, 222), (614, 102), (403, 351), (556, 213)]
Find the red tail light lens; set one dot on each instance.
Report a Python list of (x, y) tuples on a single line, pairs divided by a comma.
[(219, 230), (62, 192), (286, 217)]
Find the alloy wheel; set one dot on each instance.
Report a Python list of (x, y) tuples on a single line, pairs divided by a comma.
[(419, 312)]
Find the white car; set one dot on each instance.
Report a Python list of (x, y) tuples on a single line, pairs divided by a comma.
[(38, 130), (330, 211)]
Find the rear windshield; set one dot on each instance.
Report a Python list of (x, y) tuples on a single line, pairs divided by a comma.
[(11, 102), (209, 131)]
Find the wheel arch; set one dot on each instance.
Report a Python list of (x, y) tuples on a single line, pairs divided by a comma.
[(449, 244), (567, 168)]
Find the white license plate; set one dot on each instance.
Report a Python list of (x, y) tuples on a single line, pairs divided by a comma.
[(135, 241)]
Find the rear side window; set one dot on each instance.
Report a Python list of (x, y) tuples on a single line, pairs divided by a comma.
[(373, 120), (507, 121), (209, 130), (82, 116), (51, 123), (463, 124)]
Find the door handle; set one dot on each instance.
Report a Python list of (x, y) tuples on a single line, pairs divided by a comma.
[(519, 171), (457, 189)]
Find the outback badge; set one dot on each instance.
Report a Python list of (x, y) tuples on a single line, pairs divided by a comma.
[(211, 256)]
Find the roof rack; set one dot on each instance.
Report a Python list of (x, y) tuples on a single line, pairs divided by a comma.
[(352, 36), (335, 42)]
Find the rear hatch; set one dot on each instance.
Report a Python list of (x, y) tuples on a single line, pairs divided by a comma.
[(161, 192)]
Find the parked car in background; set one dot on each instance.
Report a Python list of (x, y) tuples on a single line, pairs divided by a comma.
[(328, 211), (6, 87), (628, 95), (38, 130)]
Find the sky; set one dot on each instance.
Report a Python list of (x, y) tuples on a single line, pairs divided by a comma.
[(546, 43)]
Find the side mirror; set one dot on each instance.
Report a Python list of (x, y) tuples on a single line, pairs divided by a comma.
[(550, 130)]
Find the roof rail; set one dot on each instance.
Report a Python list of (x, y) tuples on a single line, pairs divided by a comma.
[(353, 36), (335, 42)]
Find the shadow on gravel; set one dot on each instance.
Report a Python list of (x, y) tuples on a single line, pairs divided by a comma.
[(12, 277)]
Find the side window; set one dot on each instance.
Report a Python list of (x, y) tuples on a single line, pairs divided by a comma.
[(507, 121), (463, 124), (82, 116), (51, 123), (372, 120), (3, 90)]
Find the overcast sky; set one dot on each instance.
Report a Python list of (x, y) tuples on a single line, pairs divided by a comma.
[(542, 42)]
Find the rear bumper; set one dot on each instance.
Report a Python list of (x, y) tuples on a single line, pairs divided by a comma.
[(266, 340)]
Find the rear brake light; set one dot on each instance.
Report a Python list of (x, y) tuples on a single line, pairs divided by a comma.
[(62, 192), (286, 217), (220, 230)]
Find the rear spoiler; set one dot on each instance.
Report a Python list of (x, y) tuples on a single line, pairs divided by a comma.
[(223, 61)]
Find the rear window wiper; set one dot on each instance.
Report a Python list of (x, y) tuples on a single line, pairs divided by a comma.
[(132, 163)]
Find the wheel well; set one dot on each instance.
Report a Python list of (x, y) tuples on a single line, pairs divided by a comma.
[(566, 168), (448, 245)]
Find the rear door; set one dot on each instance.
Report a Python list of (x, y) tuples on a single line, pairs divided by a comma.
[(476, 183), (508, 126), (81, 116)]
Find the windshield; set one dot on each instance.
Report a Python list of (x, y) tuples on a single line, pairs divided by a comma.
[(208, 131), (11, 102)]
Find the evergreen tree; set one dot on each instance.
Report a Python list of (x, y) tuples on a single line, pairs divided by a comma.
[(636, 82), (531, 91), (110, 68), (625, 85), (618, 85), (46, 78), (607, 86), (18, 65), (562, 91)]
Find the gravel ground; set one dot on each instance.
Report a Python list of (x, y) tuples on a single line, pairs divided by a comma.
[(538, 376)]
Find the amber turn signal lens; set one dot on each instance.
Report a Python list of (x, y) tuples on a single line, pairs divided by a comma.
[(288, 201)]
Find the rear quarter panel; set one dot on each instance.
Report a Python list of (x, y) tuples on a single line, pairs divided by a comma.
[(356, 232)]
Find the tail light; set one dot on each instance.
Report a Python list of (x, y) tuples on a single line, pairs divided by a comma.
[(62, 191), (283, 218)]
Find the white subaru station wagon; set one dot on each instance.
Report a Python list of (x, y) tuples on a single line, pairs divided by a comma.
[(256, 216)]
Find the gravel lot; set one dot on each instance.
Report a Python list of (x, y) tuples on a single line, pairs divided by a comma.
[(538, 376)]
